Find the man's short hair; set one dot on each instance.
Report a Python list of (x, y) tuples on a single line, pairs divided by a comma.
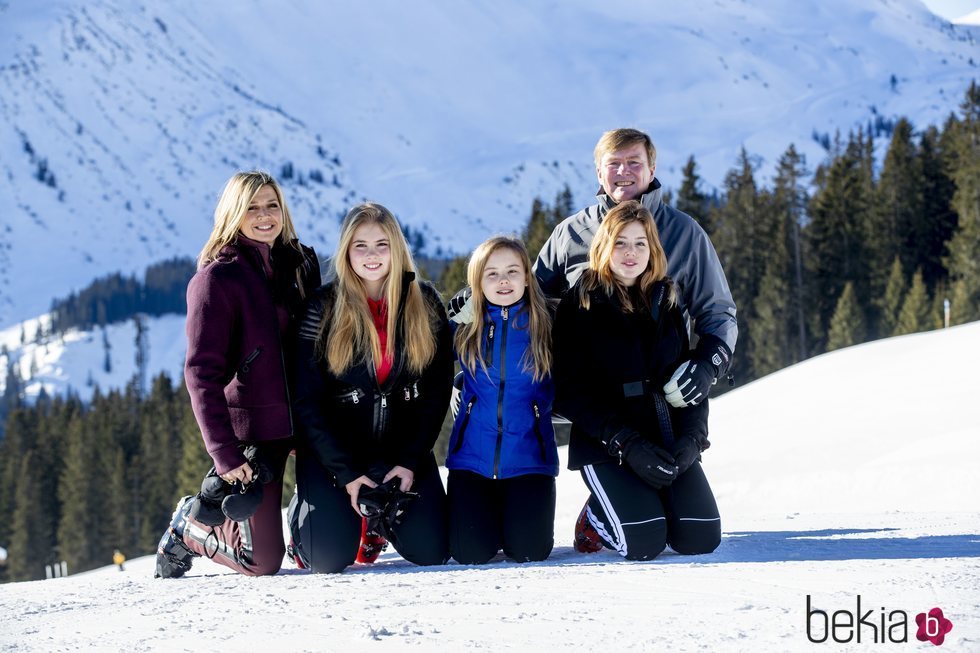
[(617, 139)]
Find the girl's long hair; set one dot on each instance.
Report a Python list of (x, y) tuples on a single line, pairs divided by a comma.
[(469, 337), (352, 337), (229, 214), (599, 273)]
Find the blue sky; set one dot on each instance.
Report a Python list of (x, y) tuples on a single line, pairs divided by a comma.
[(952, 9)]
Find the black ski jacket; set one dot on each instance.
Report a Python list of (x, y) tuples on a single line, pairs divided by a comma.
[(610, 364), (356, 427)]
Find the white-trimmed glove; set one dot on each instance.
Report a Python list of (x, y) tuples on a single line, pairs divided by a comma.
[(692, 380)]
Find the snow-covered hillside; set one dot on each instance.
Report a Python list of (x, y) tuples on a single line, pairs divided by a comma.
[(119, 120), (80, 361), (849, 475)]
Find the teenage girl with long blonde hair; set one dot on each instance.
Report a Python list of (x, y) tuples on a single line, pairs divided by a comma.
[(374, 372)]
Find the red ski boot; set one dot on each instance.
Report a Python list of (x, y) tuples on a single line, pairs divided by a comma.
[(372, 544), (586, 538)]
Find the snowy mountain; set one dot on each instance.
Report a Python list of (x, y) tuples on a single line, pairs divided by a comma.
[(120, 120), (847, 481)]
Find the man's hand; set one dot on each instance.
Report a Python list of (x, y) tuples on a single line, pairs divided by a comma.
[(692, 380), (690, 384)]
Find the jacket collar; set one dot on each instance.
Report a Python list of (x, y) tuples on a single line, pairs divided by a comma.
[(652, 199)]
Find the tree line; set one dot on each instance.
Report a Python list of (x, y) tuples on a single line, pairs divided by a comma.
[(116, 298), (861, 251)]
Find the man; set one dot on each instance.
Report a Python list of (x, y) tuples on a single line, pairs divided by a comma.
[(626, 163)]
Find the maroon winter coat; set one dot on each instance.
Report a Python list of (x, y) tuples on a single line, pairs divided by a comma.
[(235, 369)]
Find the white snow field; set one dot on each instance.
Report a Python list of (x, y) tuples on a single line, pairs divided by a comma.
[(850, 475)]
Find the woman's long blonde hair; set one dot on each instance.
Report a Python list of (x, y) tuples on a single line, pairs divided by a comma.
[(469, 337), (352, 337), (229, 214), (599, 273)]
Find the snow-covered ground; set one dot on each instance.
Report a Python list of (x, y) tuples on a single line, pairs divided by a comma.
[(849, 475)]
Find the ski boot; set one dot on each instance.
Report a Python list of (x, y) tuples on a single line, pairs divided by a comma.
[(586, 537), (173, 557)]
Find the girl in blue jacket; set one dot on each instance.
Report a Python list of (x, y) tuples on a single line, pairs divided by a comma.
[(502, 456)]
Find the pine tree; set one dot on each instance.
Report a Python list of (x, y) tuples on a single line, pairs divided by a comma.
[(939, 219), (963, 261), (891, 302), (789, 201), (914, 316), (194, 458), (54, 417), (740, 230), (898, 222), (80, 495), (847, 325), (539, 228), (771, 348), (453, 277), (27, 554), (690, 199), (19, 440), (564, 206), (837, 233), (159, 456)]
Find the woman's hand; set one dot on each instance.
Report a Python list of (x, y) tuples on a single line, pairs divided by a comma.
[(242, 474), (405, 476), (354, 488)]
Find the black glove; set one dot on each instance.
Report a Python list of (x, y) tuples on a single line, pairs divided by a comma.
[(686, 450), (651, 463), (691, 382)]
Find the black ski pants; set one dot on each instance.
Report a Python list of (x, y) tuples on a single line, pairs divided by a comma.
[(638, 521), (327, 532), (514, 514)]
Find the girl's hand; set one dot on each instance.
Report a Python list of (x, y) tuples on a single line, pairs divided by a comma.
[(354, 488), (405, 476), (241, 474)]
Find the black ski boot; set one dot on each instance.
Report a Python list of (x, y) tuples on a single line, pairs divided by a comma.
[(173, 557)]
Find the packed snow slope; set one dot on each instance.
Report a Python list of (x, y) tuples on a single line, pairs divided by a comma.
[(120, 120), (852, 474)]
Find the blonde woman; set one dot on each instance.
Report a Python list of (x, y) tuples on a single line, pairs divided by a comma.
[(619, 335), (374, 373), (502, 456), (252, 278)]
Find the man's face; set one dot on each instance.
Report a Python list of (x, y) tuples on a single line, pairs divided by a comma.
[(625, 174)]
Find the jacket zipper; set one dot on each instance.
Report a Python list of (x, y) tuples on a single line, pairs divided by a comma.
[(251, 357), (500, 392), (537, 429), (462, 426)]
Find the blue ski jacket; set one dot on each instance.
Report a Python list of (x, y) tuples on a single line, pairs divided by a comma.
[(503, 428)]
